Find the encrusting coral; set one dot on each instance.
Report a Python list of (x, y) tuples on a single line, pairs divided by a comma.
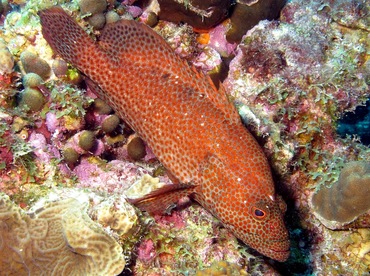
[(32, 99), (59, 239), (345, 200), (7, 61), (34, 64), (31, 80)]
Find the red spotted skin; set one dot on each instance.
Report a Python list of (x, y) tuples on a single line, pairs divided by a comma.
[(190, 126)]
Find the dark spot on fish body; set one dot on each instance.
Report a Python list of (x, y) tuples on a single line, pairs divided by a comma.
[(165, 76)]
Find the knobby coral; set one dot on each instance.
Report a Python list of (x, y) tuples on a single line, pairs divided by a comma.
[(59, 239), (345, 200)]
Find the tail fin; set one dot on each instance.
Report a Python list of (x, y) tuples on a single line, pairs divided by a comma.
[(65, 36)]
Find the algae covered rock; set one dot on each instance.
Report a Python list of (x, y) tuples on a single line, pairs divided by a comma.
[(198, 13), (31, 80), (136, 148), (59, 239), (345, 200), (92, 6)]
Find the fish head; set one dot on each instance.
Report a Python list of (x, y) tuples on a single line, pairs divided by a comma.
[(260, 225), (247, 205)]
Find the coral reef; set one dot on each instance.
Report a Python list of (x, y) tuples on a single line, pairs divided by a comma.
[(292, 80), (180, 244), (222, 268)]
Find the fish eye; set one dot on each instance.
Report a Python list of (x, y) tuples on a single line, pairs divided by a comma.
[(260, 210), (258, 213)]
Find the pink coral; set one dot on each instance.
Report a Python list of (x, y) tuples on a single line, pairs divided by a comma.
[(44, 151), (52, 122)]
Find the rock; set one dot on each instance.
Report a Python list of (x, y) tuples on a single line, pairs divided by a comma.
[(247, 14)]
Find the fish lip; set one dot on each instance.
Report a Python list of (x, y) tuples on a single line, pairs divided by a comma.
[(284, 252), (280, 251)]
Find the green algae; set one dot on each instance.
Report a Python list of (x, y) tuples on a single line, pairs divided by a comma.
[(68, 100)]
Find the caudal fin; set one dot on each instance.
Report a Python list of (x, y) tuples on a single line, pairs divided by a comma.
[(65, 36)]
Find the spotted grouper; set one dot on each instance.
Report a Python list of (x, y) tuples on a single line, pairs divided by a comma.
[(190, 125)]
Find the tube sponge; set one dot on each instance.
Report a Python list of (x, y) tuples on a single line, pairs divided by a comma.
[(346, 199)]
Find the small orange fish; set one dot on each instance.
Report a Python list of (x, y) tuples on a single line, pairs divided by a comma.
[(190, 126)]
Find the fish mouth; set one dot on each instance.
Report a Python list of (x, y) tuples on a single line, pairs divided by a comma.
[(276, 249), (279, 250)]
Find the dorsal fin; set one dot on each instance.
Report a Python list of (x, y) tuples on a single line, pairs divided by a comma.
[(219, 98)]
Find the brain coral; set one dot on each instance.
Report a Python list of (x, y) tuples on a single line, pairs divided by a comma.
[(346, 199), (59, 239)]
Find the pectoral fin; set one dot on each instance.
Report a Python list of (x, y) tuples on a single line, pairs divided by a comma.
[(159, 201)]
